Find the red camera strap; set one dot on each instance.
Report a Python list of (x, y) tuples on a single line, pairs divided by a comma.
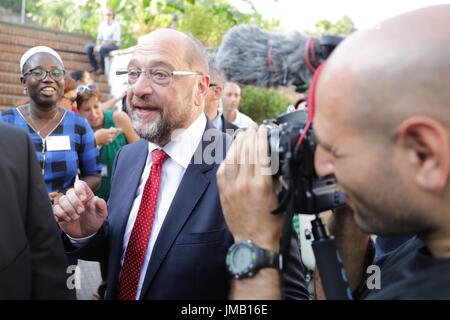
[(311, 102)]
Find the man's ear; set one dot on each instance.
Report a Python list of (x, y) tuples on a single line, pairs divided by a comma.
[(427, 144), (218, 92), (202, 91)]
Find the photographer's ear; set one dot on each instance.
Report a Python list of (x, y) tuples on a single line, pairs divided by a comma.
[(427, 144)]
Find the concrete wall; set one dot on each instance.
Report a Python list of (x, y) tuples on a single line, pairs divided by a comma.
[(116, 60)]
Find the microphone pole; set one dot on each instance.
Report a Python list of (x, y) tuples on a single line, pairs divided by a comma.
[(329, 264)]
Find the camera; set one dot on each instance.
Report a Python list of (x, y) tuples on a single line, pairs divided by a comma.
[(310, 193)]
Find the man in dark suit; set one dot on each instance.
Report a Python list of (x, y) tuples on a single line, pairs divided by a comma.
[(167, 238), (32, 260), (212, 102)]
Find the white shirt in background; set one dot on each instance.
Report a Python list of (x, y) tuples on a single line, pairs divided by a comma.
[(242, 120), (109, 32)]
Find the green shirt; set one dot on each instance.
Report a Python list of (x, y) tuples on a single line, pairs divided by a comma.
[(107, 155)]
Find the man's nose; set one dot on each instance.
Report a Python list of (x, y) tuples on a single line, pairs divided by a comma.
[(143, 86), (323, 162)]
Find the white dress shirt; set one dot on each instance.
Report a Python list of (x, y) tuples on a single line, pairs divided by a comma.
[(109, 32), (242, 120), (180, 151)]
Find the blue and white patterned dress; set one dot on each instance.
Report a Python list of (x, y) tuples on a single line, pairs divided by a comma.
[(60, 168)]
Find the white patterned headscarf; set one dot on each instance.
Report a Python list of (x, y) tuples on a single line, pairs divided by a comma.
[(39, 49)]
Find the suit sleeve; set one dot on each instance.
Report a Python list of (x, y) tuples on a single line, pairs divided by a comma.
[(48, 259), (97, 249)]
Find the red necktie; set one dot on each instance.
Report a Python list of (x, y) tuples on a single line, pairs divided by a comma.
[(137, 245)]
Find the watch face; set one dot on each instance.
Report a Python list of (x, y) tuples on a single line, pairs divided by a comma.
[(241, 259)]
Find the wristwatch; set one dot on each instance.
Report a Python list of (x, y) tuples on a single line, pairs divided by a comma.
[(244, 259)]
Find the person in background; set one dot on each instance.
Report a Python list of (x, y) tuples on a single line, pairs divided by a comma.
[(64, 142), (108, 39), (84, 77), (70, 95), (113, 130), (213, 99), (231, 98), (81, 77)]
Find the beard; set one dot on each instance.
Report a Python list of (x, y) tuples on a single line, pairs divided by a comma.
[(160, 129), (386, 211), (156, 132)]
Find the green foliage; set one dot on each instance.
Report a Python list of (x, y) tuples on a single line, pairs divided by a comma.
[(55, 14), (13, 5), (208, 20), (260, 104), (342, 27), (16, 5)]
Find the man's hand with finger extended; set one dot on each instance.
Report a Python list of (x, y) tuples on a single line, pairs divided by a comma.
[(79, 212)]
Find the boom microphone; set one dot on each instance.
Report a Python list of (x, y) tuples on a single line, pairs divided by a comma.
[(252, 56)]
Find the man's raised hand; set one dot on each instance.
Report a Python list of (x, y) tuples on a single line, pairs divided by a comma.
[(79, 212)]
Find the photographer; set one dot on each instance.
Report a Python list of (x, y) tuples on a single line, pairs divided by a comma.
[(382, 124)]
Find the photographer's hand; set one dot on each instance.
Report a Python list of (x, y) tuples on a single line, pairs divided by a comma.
[(247, 196)]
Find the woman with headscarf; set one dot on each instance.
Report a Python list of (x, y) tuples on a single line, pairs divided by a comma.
[(64, 142)]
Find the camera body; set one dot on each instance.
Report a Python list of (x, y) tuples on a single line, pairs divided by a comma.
[(311, 194)]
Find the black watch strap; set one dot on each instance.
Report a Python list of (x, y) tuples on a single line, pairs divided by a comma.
[(260, 258), (270, 259)]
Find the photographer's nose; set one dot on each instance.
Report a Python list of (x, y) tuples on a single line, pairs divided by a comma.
[(323, 162)]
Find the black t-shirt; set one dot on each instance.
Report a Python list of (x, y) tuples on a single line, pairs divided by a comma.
[(410, 272)]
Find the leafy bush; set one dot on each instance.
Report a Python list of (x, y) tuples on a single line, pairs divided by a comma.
[(260, 104), (208, 20)]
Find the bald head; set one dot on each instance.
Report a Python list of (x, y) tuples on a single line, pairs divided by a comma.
[(393, 70), (383, 119), (192, 51)]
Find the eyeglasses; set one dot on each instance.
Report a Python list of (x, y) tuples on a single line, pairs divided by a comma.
[(40, 74), (212, 85), (88, 88), (72, 100), (160, 76)]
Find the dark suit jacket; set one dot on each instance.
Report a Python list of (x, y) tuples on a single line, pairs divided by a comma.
[(227, 125), (188, 259), (32, 260)]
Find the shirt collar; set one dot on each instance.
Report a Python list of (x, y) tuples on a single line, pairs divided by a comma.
[(217, 122), (237, 120), (182, 148)]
